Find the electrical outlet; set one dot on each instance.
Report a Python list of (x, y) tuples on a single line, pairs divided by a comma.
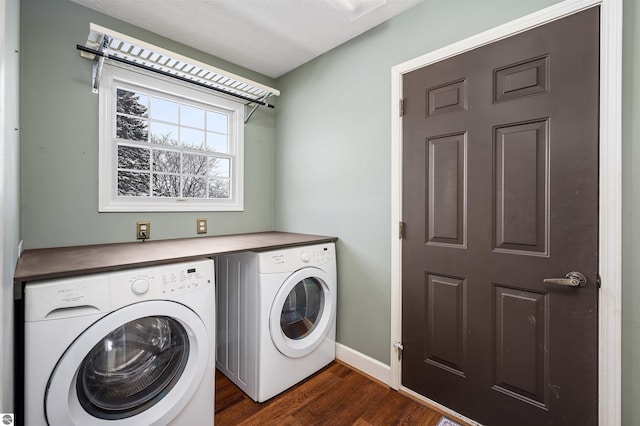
[(201, 226), (143, 230)]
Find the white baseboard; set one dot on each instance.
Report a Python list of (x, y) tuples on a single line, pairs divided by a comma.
[(382, 373), (364, 363)]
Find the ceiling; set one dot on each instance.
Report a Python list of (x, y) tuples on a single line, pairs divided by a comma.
[(271, 37)]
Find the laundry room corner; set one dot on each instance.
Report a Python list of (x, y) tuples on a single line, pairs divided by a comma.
[(333, 153)]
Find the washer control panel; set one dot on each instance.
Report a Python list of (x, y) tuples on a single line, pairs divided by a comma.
[(95, 293), (163, 282), (295, 258)]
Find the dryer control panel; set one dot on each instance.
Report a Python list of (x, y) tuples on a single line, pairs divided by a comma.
[(291, 259)]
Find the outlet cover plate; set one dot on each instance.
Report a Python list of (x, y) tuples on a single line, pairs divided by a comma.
[(143, 230)]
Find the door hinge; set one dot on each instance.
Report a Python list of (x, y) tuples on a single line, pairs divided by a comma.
[(598, 280), (401, 104), (401, 230), (399, 348)]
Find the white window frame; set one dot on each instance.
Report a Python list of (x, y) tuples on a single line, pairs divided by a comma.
[(109, 200)]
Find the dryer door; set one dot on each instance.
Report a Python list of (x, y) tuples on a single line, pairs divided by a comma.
[(138, 365), (302, 313)]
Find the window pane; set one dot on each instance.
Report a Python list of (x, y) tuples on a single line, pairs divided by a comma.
[(166, 185), (217, 122), (217, 142), (191, 116), (194, 187), (166, 161), (219, 167), (133, 158), (162, 109), (132, 103), (194, 164), (133, 184), (219, 188), (164, 134), (131, 128), (191, 138), (170, 142)]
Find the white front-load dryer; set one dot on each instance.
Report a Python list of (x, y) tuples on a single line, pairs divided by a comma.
[(133, 347), (276, 317)]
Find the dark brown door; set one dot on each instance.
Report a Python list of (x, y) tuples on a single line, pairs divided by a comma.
[(500, 190)]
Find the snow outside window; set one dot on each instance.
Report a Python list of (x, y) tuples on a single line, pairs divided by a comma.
[(165, 146)]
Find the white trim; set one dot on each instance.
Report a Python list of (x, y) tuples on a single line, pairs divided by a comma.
[(361, 362), (610, 217), (382, 373), (610, 230), (396, 218)]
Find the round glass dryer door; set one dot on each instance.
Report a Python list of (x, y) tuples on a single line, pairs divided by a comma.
[(138, 365), (302, 309), (302, 313), (131, 368)]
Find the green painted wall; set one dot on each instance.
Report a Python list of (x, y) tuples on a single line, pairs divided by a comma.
[(333, 166), (630, 214), (60, 140)]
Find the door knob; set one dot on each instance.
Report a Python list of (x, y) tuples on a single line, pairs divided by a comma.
[(572, 279)]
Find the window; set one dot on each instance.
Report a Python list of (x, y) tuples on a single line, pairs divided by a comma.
[(166, 146)]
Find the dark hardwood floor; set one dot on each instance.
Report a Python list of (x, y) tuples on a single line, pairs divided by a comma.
[(337, 395)]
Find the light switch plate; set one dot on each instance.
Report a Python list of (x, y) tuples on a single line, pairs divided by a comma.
[(201, 226)]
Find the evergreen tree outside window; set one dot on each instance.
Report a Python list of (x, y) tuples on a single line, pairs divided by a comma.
[(167, 147)]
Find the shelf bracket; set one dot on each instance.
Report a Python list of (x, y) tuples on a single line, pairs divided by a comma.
[(262, 101), (98, 63)]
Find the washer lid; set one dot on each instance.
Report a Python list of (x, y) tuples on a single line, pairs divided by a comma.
[(302, 313), (138, 365)]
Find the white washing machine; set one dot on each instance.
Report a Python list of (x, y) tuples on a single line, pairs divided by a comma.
[(133, 347), (276, 315)]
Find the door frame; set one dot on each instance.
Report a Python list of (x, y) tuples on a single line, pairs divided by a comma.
[(610, 191)]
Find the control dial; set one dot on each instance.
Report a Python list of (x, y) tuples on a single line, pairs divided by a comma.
[(140, 286), (305, 257)]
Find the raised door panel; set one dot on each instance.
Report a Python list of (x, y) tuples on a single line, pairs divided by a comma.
[(521, 362), (521, 194), (446, 185), (445, 309)]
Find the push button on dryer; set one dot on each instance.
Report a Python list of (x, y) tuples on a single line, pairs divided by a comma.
[(140, 286)]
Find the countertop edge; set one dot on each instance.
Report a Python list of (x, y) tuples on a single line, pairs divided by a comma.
[(58, 262)]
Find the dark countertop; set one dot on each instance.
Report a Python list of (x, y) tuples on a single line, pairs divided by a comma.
[(47, 263)]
